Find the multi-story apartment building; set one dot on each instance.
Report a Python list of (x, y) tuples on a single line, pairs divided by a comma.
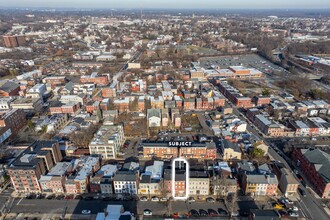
[(107, 141), (14, 41), (126, 182), (35, 161), (13, 119), (315, 164)]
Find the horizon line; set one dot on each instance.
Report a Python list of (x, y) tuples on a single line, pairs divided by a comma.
[(156, 8)]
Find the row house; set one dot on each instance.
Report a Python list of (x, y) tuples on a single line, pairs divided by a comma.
[(261, 100), (126, 182), (170, 104), (141, 103), (288, 184), (92, 107), (259, 185), (178, 101), (151, 182), (94, 78), (157, 102), (163, 150), (82, 99), (199, 183), (165, 118), (311, 126), (54, 181), (110, 91), (121, 104), (55, 80), (179, 183), (189, 104), (234, 96), (85, 167), (267, 126), (56, 107)]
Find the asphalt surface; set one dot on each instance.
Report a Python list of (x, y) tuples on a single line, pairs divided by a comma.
[(44, 206)]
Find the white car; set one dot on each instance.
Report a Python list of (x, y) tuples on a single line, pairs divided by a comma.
[(164, 199), (147, 212), (155, 199), (143, 199), (295, 208), (191, 199), (86, 212), (293, 214)]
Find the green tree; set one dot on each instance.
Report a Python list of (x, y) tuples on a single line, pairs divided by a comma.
[(265, 92), (257, 152), (30, 125), (44, 129)]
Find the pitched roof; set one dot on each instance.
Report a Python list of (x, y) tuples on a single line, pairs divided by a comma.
[(321, 161), (8, 86)]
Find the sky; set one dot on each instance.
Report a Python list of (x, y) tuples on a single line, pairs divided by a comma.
[(235, 4)]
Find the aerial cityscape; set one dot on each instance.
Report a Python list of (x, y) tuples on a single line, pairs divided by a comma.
[(164, 110)]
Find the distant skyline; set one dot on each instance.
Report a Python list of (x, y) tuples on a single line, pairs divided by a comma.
[(171, 4)]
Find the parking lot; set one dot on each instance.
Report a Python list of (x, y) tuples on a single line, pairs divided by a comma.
[(249, 60)]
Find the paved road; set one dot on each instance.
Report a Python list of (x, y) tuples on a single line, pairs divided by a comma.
[(43, 206)]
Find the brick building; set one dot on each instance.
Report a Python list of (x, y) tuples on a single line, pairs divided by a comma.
[(35, 161), (315, 164)]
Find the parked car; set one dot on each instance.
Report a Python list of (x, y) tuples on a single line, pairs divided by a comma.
[(302, 192), (164, 199), (279, 206), (68, 197), (222, 212), (202, 212), (88, 198), (49, 197), (212, 213), (86, 212), (294, 208), (191, 199), (143, 199), (147, 212), (293, 214), (210, 200), (193, 213), (155, 199)]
